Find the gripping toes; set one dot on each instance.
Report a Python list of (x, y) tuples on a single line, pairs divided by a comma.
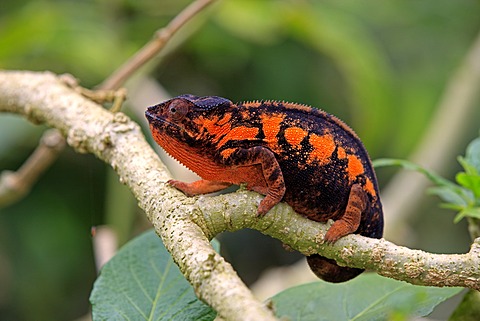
[(350, 220), (202, 186), (273, 177), (272, 174), (276, 188)]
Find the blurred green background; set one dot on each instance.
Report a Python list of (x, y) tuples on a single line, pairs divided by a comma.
[(380, 66)]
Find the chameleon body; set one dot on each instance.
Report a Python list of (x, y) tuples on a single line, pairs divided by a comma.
[(288, 152)]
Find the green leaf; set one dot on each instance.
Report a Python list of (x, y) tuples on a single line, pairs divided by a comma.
[(473, 212), (469, 168), (432, 176), (368, 297), (460, 215), (469, 181), (449, 196), (463, 198), (143, 283), (472, 155), (453, 207)]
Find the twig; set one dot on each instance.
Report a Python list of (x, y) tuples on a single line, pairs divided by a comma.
[(185, 224), (153, 47), (15, 185)]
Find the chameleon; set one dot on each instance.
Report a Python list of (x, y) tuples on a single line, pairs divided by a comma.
[(288, 152)]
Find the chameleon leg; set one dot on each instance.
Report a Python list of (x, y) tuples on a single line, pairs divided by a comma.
[(272, 173), (202, 186), (350, 220)]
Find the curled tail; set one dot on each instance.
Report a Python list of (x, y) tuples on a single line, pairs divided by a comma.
[(328, 270)]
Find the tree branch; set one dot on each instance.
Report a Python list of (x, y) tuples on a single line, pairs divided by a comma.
[(237, 211), (186, 224)]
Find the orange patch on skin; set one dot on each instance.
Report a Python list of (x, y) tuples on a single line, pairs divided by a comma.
[(294, 136), (341, 154), (215, 126), (225, 119), (370, 188), (354, 167), (227, 152), (271, 127), (323, 148), (239, 133)]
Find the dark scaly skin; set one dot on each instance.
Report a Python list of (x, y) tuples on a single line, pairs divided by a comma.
[(288, 152)]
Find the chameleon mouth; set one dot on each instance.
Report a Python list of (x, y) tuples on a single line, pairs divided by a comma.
[(151, 114), (154, 117)]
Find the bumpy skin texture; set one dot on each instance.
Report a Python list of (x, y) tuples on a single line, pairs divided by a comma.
[(288, 152)]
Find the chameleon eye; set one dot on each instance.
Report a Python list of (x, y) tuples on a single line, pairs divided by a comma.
[(177, 110)]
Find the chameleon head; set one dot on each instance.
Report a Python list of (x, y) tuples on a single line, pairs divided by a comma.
[(175, 118)]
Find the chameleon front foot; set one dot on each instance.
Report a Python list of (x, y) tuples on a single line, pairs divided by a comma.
[(263, 208), (202, 186), (274, 196)]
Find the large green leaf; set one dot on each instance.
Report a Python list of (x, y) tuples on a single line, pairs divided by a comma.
[(143, 283), (368, 297)]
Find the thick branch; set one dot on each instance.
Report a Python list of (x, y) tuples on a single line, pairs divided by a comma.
[(237, 211), (186, 224)]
